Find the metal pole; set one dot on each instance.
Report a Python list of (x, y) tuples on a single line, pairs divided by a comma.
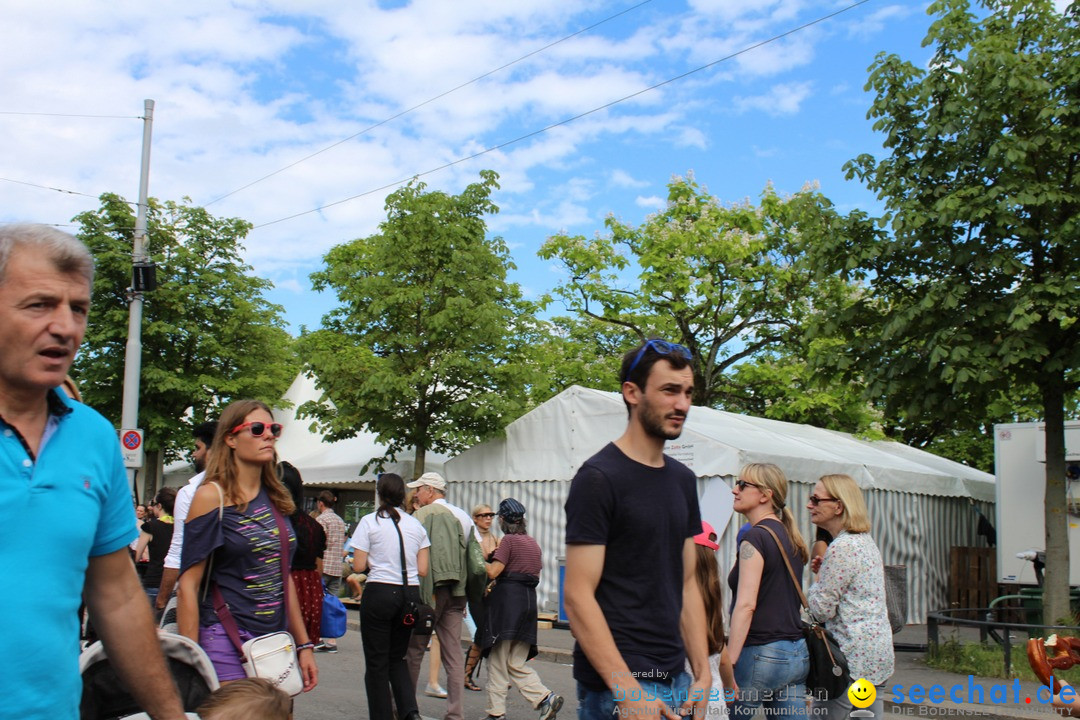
[(129, 417)]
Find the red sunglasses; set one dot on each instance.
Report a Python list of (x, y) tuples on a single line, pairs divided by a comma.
[(258, 428)]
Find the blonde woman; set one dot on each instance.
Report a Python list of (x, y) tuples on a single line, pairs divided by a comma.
[(849, 595), (766, 645), (482, 516)]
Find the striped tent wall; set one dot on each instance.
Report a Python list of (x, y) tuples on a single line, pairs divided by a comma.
[(913, 530)]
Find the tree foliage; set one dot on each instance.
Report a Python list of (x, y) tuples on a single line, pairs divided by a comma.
[(582, 351), (208, 334), (975, 273), (425, 346), (728, 282), (783, 386)]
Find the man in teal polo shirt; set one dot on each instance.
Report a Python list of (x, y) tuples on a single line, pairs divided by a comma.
[(60, 459)]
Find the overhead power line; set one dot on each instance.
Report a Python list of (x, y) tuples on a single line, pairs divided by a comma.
[(428, 101), (56, 225), (573, 118), (71, 115), (46, 187)]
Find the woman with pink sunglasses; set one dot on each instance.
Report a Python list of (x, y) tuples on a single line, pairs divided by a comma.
[(234, 581)]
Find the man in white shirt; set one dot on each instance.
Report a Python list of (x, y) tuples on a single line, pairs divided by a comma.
[(204, 438)]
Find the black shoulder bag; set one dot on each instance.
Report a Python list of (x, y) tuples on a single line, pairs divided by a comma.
[(829, 676), (417, 615)]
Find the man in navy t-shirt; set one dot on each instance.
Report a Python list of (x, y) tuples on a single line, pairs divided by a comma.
[(630, 590)]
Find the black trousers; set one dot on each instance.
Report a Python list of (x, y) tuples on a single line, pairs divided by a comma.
[(385, 642)]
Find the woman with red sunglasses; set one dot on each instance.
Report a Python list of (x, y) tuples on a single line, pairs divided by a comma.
[(234, 583)]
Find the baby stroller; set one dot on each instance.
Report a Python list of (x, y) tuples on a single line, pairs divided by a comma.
[(104, 697)]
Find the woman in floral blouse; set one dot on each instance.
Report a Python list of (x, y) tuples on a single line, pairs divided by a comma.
[(849, 595)]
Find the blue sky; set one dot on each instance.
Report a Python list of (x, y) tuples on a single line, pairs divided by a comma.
[(244, 89)]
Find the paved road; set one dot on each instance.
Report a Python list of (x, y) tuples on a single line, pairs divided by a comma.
[(341, 696)]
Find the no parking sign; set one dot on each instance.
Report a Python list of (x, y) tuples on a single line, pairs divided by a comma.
[(131, 447)]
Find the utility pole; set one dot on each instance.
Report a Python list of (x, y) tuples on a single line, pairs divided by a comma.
[(131, 438)]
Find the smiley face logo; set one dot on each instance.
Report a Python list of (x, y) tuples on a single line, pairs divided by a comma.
[(862, 693)]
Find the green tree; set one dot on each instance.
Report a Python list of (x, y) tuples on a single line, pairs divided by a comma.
[(576, 351), (728, 282), (208, 334), (425, 347), (975, 278), (783, 386)]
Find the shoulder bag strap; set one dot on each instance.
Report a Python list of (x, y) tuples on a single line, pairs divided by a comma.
[(791, 571), (227, 621), (401, 540)]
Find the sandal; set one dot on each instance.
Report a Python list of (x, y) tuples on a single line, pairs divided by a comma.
[(472, 659)]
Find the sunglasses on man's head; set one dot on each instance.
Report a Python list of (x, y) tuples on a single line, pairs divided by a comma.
[(661, 347), (258, 428)]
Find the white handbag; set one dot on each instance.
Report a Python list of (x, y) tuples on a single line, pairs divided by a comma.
[(273, 657)]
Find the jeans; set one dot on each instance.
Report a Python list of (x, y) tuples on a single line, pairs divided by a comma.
[(772, 676), (600, 704), (385, 642), (333, 583)]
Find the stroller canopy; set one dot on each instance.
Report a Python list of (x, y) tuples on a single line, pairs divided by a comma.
[(105, 697)]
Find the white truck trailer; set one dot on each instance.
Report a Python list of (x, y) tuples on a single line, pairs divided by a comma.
[(1020, 468)]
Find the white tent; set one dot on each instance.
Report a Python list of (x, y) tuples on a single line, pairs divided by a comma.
[(320, 463), (920, 504)]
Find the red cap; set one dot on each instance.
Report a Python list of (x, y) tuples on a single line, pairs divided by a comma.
[(707, 536)]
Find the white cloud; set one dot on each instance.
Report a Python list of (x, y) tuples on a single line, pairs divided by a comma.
[(291, 285), (244, 89), (782, 99), (878, 20), (621, 178), (654, 202), (691, 137)]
